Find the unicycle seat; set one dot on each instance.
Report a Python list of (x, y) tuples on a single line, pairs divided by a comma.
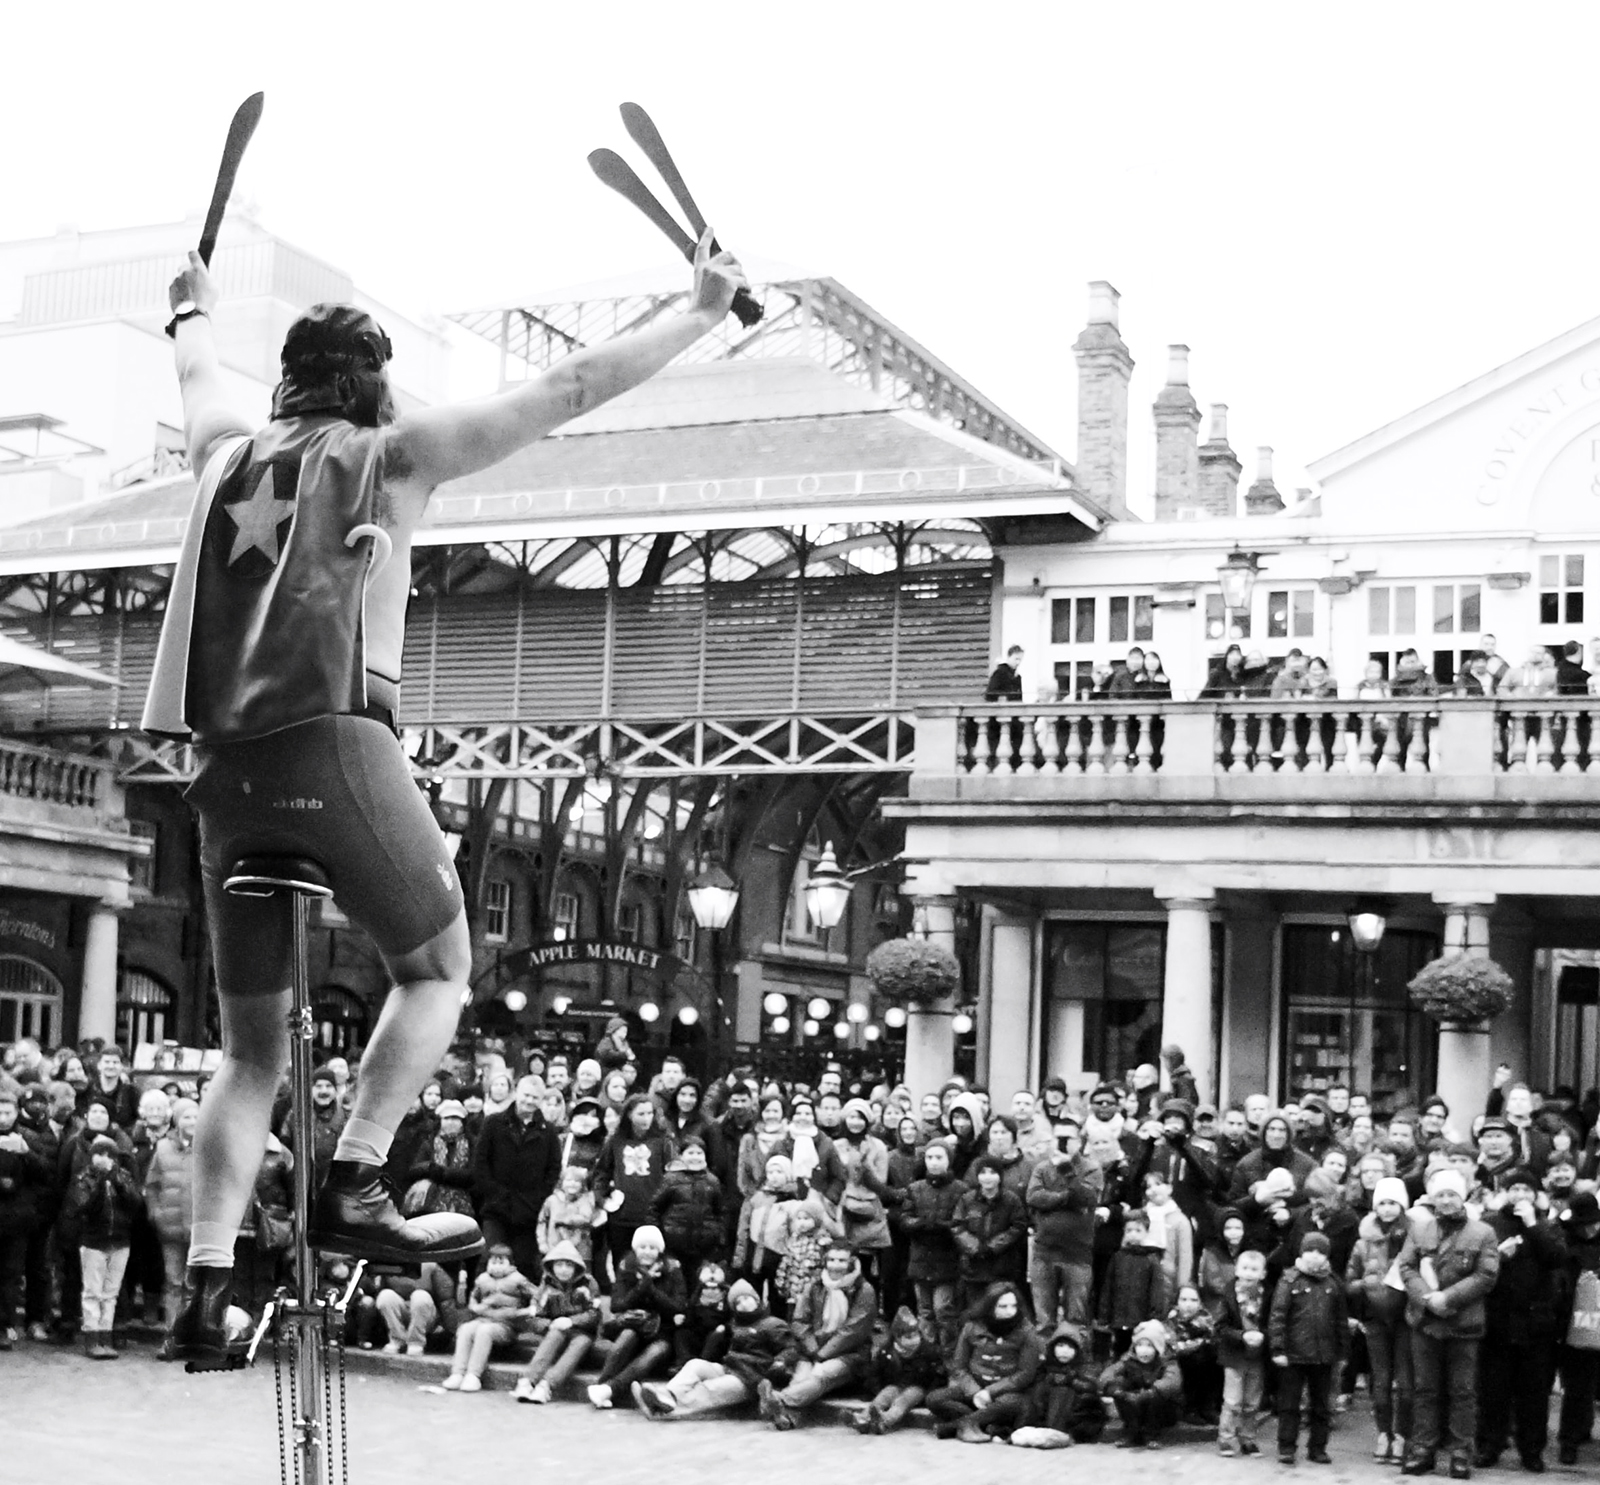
[(262, 876)]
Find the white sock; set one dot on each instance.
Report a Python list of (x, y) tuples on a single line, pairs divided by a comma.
[(364, 1141), (211, 1244)]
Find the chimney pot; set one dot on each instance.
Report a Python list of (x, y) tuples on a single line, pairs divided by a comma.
[(1219, 422), (1103, 301), (1177, 366), (1264, 464)]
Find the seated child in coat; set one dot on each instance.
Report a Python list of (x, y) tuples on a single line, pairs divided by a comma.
[(566, 1315), (648, 1300), (501, 1310), (1066, 1398), (705, 1321), (1193, 1343), (992, 1373), (1132, 1290), (1146, 1387), (907, 1366), (752, 1350)]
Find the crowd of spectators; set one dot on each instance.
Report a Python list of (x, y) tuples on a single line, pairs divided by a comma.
[(1034, 1267)]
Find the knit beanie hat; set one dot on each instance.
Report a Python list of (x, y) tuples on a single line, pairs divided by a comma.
[(1154, 1332), (324, 1075), (1320, 1183), (1391, 1188), (648, 1234), (103, 1144), (1521, 1176), (1279, 1181), (451, 1109), (1448, 1176), (741, 1289), (1316, 1242)]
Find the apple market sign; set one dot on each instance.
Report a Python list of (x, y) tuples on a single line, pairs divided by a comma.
[(581, 951)]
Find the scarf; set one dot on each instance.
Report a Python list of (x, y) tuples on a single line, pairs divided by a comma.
[(804, 1159), (1159, 1217), (836, 1299)]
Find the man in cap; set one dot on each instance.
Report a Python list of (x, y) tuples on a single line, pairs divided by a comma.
[(280, 659), (1448, 1269)]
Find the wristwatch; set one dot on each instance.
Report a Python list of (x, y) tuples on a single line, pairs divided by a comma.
[(186, 309)]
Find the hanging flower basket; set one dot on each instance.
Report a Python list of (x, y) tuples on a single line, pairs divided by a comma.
[(1466, 989), (913, 969)]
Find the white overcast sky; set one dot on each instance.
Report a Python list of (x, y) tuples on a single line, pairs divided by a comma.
[(1344, 210)]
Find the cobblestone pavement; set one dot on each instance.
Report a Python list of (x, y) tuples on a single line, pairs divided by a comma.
[(141, 1423)]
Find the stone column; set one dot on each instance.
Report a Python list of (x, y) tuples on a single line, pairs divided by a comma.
[(1008, 1007), (930, 1041), (1466, 1068), (1186, 999), (97, 1004)]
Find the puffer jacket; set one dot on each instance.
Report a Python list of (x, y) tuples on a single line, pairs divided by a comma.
[(1002, 1363), (573, 1299), (169, 1187), (1061, 1200), (755, 1347), (928, 1216), (647, 1302), (1376, 1249), (1309, 1323), (861, 1206), (687, 1207), (1130, 1377), (1466, 1263), (1067, 1397)]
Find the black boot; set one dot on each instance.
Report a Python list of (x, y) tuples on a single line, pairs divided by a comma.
[(356, 1215), (1418, 1464), (199, 1335)]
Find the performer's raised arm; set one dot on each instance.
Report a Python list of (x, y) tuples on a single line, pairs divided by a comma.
[(427, 448), (207, 416)]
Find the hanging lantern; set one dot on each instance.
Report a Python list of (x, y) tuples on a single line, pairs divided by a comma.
[(713, 897), (774, 1004), (818, 1008), (872, 1032), (516, 1000), (827, 890), (780, 1025), (894, 1017), (961, 1023), (649, 1012), (688, 1015), (841, 1030), (811, 1028), (857, 1012)]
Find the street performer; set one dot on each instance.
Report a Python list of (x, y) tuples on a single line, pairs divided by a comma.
[(280, 658)]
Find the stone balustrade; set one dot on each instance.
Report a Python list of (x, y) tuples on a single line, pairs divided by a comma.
[(49, 777)]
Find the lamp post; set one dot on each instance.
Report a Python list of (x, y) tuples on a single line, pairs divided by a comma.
[(713, 896), (1367, 925), (828, 889), (1238, 578)]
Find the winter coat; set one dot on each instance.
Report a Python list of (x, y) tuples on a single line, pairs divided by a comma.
[(1241, 1313), (1132, 1290), (612, 1054), (500, 1299), (1067, 1397), (1253, 1169), (924, 1367), (1371, 1257), (1466, 1263), (101, 1207), (928, 1215), (1061, 1200), (75, 1151), (755, 1348), (647, 1303), (169, 1188), (763, 1226), (448, 1164), (1001, 1363), (1131, 1377), (991, 1236), (24, 1184), (1525, 1304), (1339, 1225), (1188, 1167), (861, 1206), (1215, 1277), (687, 1207), (564, 1219), (852, 1341), (1309, 1322), (413, 1141), (514, 1167), (574, 1299), (635, 1167)]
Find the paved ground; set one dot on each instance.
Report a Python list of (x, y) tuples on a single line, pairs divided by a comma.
[(141, 1423)]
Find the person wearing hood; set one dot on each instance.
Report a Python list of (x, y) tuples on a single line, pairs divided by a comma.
[(565, 1314), (832, 1338), (498, 1091), (632, 1165), (1517, 1363), (1146, 1088), (863, 1212), (1218, 1260), (686, 1118), (1062, 1198), (1052, 1099), (1066, 1395), (613, 1050), (933, 1262), (992, 1372), (1317, 1134), (1145, 1386), (1180, 1076), (1168, 1149), (1580, 1359), (687, 1207), (907, 1366), (990, 1229), (648, 1300), (1449, 1268), (1376, 1300), (514, 1166), (964, 1125), (1308, 1337), (753, 1350), (1263, 1213), (584, 1137)]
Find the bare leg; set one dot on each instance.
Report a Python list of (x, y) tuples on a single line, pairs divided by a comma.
[(415, 1027)]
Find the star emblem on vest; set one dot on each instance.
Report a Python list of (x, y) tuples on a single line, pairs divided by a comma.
[(259, 517)]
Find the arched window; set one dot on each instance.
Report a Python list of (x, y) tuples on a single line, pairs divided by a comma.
[(30, 1001), (146, 1011), (341, 1017)]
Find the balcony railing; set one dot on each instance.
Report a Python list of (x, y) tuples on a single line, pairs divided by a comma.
[(1410, 736), (27, 772)]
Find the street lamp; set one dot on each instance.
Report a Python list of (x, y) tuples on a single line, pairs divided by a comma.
[(1238, 578), (894, 1017), (827, 889), (1367, 925), (712, 898)]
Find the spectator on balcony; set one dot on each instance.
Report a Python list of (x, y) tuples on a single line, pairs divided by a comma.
[(1255, 676), (1571, 678), (1225, 678), (1157, 684), (1373, 685), (1499, 666), (1536, 676), (1128, 681), (1411, 679), (1474, 678), (1005, 680), (1290, 682), (1320, 684)]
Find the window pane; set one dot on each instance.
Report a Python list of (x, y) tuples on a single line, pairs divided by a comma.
[(1405, 610), (1574, 608), (1549, 608), (1216, 620), (1063, 672), (1061, 621), (1083, 628), (1444, 610), (1117, 622), (1549, 572), (1304, 614), (1575, 570), (1144, 610), (1377, 611), (1471, 608), (1083, 679), (1278, 615), (1444, 667)]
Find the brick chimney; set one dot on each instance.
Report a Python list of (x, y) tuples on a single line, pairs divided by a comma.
[(1218, 488), (1177, 455), (1104, 369), (1262, 498)]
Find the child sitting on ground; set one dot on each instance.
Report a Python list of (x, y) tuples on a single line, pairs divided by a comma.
[(705, 1321), (1066, 1398), (648, 1300), (1132, 1290), (1193, 1332), (1241, 1341), (569, 1215), (1146, 1387), (908, 1366), (501, 1310), (566, 1314)]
